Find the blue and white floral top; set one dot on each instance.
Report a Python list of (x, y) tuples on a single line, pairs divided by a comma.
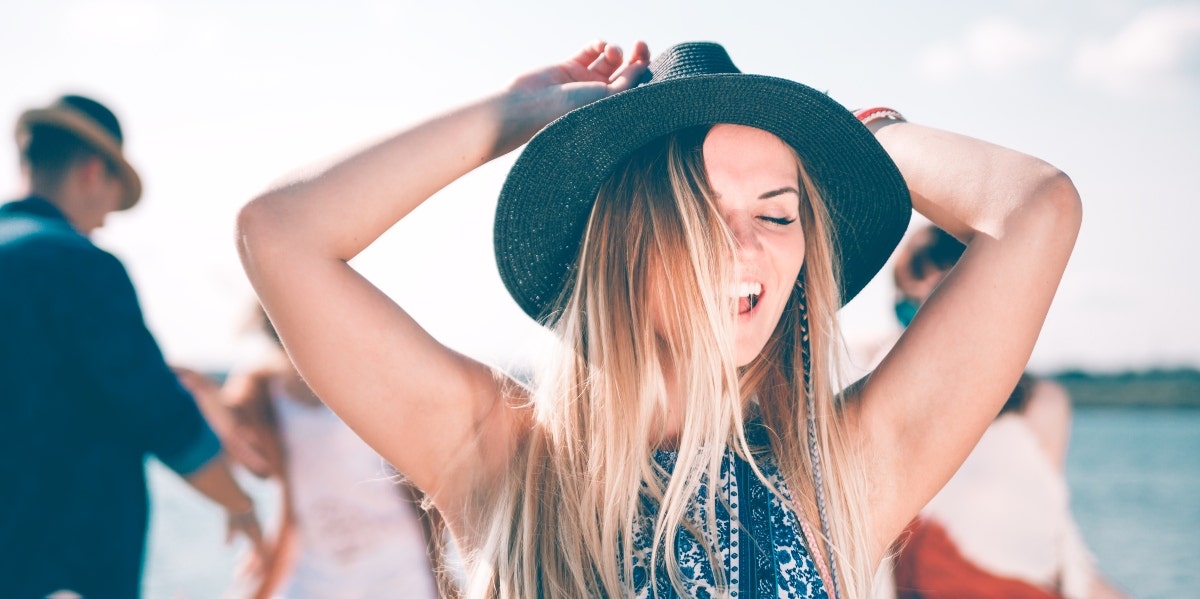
[(765, 556)]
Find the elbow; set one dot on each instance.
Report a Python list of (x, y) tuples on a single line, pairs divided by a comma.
[(259, 229), (1064, 198), (1055, 201), (251, 222)]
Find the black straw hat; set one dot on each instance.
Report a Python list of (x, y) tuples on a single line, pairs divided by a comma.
[(548, 195)]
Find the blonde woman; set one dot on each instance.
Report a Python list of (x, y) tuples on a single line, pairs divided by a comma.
[(688, 232)]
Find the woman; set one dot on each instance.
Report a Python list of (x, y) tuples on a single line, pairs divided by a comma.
[(345, 530), (688, 232)]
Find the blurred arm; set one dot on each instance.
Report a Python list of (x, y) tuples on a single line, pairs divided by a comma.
[(1102, 588), (95, 314), (216, 482), (1048, 414)]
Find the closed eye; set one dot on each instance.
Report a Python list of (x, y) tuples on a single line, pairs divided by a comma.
[(777, 220)]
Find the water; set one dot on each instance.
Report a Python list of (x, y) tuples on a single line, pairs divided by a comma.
[(1134, 476), (186, 554), (1135, 484)]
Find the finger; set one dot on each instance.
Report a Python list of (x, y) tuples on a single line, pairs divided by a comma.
[(631, 72), (606, 63), (641, 52), (588, 54), (640, 56)]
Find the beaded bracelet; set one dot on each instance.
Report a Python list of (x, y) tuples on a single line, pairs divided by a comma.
[(867, 116)]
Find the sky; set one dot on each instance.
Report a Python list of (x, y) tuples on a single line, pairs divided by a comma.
[(221, 99)]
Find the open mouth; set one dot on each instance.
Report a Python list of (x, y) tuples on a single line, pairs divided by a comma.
[(748, 294)]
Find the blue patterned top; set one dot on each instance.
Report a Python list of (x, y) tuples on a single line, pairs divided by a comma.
[(764, 557)]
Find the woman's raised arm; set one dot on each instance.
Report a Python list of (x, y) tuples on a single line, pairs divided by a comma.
[(931, 398), (444, 420)]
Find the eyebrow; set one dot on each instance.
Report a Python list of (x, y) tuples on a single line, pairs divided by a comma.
[(779, 192)]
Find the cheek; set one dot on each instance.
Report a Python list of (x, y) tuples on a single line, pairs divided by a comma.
[(790, 257), (798, 261), (789, 261)]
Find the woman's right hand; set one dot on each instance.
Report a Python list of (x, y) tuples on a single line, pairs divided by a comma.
[(598, 70)]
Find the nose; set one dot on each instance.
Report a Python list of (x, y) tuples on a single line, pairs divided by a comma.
[(745, 234)]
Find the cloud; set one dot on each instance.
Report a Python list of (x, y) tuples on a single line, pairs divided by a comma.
[(1157, 53), (994, 46)]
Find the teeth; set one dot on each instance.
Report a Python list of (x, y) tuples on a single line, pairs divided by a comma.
[(747, 289)]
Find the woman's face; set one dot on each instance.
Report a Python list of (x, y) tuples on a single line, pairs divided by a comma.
[(756, 183)]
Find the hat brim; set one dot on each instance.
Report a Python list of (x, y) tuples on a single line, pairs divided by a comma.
[(548, 195), (91, 133)]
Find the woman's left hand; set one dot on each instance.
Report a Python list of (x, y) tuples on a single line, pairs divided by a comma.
[(599, 69)]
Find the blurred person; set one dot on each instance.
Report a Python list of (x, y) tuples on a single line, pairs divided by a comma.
[(1002, 526), (85, 394), (346, 528)]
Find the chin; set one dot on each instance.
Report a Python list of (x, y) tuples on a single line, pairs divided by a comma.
[(746, 351)]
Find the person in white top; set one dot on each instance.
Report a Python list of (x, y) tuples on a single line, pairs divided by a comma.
[(348, 529), (1002, 526)]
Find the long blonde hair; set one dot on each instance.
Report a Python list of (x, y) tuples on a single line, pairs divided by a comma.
[(561, 523)]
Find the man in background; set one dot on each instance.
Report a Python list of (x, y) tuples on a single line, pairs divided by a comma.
[(85, 393)]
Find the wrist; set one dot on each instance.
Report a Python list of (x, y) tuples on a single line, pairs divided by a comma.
[(878, 117), (522, 112)]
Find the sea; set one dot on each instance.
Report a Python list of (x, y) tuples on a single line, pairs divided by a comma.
[(1134, 475)]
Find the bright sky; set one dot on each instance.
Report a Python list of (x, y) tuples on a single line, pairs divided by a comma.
[(219, 99)]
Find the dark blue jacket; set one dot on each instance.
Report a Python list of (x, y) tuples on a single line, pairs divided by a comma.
[(84, 396)]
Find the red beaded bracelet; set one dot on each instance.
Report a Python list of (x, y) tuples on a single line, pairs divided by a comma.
[(867, 116)]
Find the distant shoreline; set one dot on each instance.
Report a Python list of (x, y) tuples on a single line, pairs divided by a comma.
[(1174, 388), (1160, 388)]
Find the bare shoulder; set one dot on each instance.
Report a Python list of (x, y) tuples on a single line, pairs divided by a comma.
[(1049, 404), (502, 415), (472, 476)]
